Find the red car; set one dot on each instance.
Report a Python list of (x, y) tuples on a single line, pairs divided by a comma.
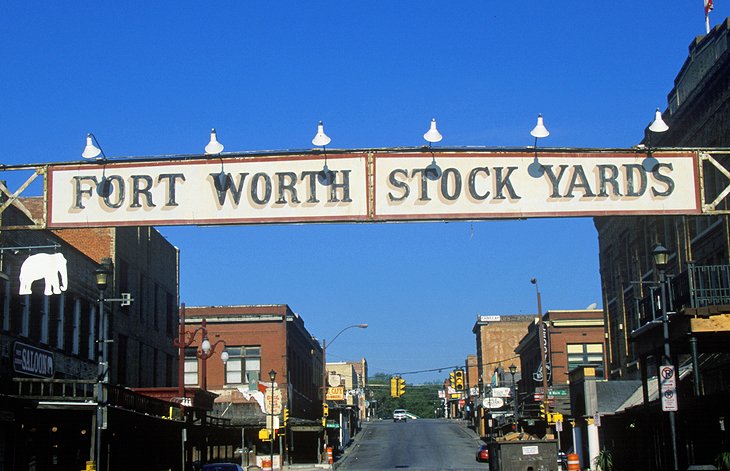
[(483, 453)]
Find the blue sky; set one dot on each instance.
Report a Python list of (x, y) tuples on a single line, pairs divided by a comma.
[(152, 78)]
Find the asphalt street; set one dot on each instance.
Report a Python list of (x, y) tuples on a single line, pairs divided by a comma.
[(415, 444)]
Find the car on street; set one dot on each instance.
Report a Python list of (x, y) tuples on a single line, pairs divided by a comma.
[(483, 454), (222, 467), (399, 415)]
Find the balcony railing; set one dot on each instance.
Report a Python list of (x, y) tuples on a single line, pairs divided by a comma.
[(702, 286), (698, 287), (57, 389)]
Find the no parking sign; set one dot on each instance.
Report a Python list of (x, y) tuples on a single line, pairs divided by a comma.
[(668, 387)]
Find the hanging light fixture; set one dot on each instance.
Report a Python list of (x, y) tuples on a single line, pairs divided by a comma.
[(324, 176), (221, 180), (92, 150), (432, 171), (535, 169), (656, 126), (213, 147)]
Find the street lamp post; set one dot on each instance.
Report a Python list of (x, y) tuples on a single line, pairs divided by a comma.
[(324, 371), (661, 257), (102, 274), (480, 392), (184, 340), (512, 371), (272, 377), (207, 350), (543, 352)]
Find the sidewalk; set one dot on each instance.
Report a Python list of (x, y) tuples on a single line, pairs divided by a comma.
[(468, 430)]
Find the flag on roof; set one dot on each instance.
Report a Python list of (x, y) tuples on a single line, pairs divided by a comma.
[(708, 6)]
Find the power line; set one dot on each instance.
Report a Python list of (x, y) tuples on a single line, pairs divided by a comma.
[(453, 367)]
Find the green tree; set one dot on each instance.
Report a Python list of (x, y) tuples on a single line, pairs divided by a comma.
[(421, 400)]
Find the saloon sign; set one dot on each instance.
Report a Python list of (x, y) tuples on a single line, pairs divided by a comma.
[(372, 186)]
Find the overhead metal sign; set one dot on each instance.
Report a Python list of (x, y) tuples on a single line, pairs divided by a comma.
[(370, 186)]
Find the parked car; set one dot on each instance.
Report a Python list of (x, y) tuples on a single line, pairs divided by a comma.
[(562, 461), (483, 454), (399, 415), (222, 467)]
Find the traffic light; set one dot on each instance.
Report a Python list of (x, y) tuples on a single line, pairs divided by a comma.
[(543, 412), (554, 417), (459, 380), (452, 379), (286, 416), (401, 386), (325, 409), (394, 386)]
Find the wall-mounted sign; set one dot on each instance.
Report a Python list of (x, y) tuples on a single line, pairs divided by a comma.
[(501, 392), (493, 403), (276, 401), (51, 268), (490, 318), (373, 186), (336, 394), (334, 380), (32, 361)]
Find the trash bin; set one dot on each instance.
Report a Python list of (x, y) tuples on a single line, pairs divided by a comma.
[(523, 455)]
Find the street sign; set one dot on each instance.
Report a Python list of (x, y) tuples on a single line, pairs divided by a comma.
[(668, 388)]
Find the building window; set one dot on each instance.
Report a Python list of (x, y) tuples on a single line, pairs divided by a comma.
[(243, 366), (92, 328), (61, 326), (25, 319), (121, 365), (586, 354), (76, 339), (45, 319), (191, 366), (5, 303), (170, 313), (155, 311)]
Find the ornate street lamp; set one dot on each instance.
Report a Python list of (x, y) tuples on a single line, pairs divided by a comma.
[(207, 350)]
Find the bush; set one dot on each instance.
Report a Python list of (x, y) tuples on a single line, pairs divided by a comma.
[(604, 460)]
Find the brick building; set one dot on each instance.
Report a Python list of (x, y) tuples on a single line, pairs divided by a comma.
[(698, 115), (260, 339), (49, 417), (496, 338), (575, 338)]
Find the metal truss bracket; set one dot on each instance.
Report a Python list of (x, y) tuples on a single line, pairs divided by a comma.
[(13, 199)]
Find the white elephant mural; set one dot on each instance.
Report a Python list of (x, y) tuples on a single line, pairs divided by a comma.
[(50, 267)]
